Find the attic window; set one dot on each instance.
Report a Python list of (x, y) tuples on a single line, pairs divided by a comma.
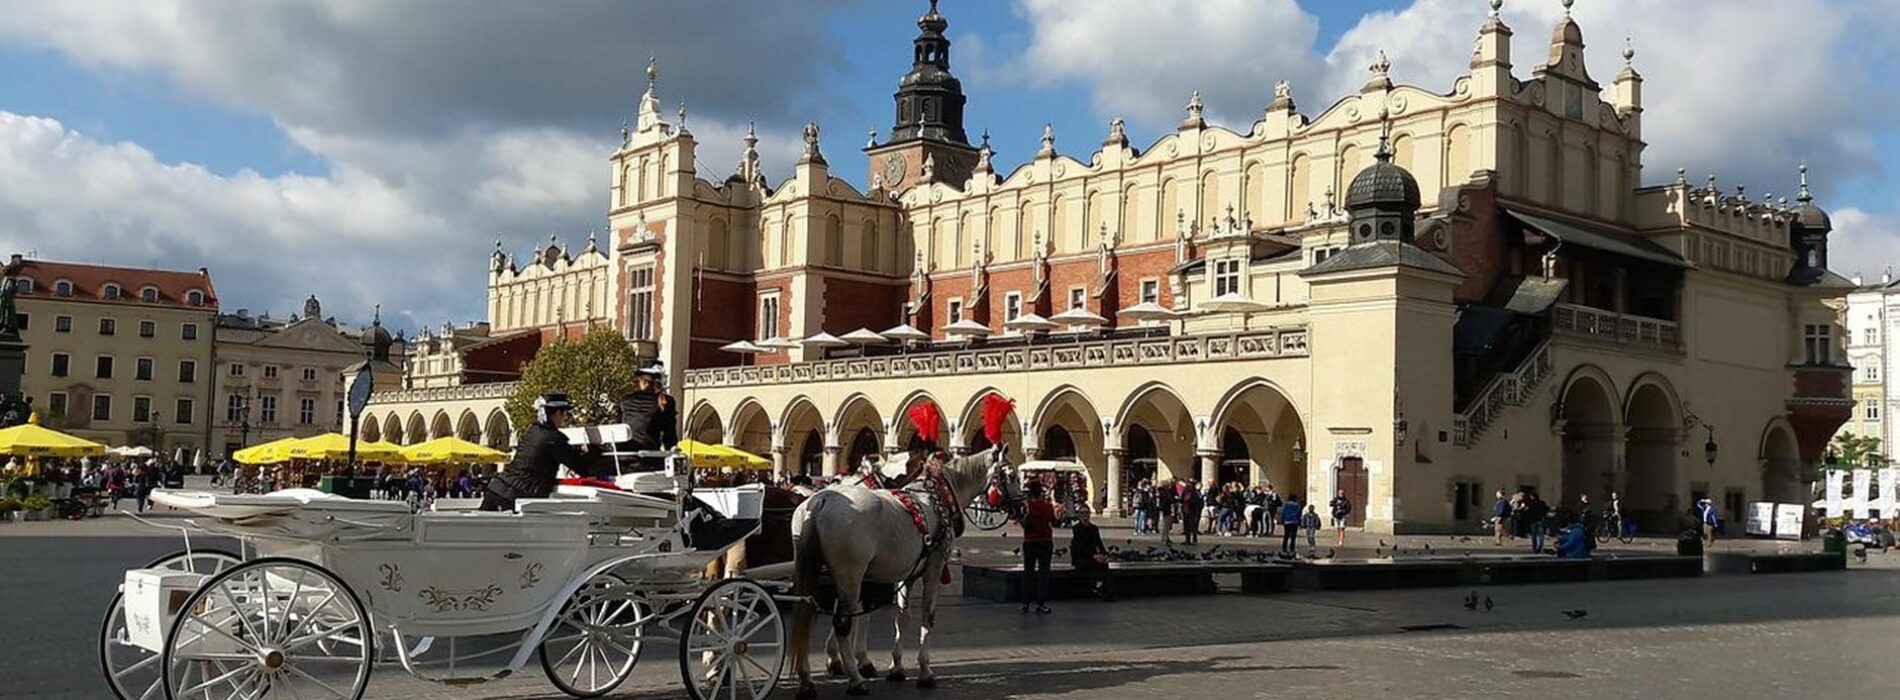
[(110, 291), (149, 295), (195, 298), (62, 288)]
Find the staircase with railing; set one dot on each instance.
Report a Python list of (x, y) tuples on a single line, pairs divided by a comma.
[(1514, 388)]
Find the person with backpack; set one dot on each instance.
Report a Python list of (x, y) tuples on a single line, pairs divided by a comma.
[(1309, 521), (1342, 510), (1144, 507)]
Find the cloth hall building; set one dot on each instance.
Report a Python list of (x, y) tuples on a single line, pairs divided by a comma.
[(1418, 297)]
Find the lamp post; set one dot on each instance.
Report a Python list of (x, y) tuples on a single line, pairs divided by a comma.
[(1690, 420)]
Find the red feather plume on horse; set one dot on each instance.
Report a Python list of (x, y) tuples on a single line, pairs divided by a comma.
[(928, 420), (995, 411)]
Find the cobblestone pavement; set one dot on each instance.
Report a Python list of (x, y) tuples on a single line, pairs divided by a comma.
[(1714, 637)]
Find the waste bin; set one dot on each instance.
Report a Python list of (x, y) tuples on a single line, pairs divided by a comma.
[(1689, 544), (1833, 542), (345, 486)]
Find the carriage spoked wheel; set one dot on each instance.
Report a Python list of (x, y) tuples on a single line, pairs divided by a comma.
[(595, 640), (983, 516), (276, 628), (131, 670), (733, 646)]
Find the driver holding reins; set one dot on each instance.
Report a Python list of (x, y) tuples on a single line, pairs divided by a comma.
[(538, 457)]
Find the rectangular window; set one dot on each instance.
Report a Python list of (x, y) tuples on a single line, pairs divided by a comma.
[(142, 369), (189, 332), (56, 404), (956, 310), (309, 374), (1819, 350), (233, 408), (108, 326), (183, 410), (62, 364), (1873, 373), (1078, 298), (270, 371), (306, 411), (768, 317), (1226, 277), (103, 367), (1151, 291), (237, 369), (1012, 306), (267, 409), (62, 324), (148, 329), (1870, 336), (102, 407), (21, 321), (1872, 410), (187, 371), (141, 409), (640, 303)]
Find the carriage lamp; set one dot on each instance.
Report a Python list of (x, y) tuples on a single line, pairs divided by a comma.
[(1708, 448)]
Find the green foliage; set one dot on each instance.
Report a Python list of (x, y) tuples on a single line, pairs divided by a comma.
[(36, 502), (1853, 450), (8, 505), (594, 371)]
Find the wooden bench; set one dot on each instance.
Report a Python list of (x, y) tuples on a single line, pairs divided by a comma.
[(1131, 580), (1779, 563)]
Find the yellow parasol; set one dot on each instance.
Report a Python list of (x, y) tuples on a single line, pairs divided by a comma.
[(31, 440), (706, 456), (380, 447), (336, 446), (268, 453), (451, 449)]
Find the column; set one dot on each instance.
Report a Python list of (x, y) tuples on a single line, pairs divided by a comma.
[(834, 456), (1210, 467), (778, 462), (1113, 507)]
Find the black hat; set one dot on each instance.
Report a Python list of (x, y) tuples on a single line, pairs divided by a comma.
[(553, 401)]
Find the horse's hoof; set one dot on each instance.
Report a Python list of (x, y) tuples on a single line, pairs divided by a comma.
[(834, 669), (930, 682), (895, 676), (867, 671), (857, 691)]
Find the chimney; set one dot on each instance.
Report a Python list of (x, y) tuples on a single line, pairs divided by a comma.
[(17, 258), (204, 272)]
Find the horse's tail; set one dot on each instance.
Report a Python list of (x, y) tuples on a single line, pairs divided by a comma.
[(808, 556)]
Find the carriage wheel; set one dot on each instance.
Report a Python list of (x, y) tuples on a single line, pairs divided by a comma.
[(733, 646), (269, 628), (983, 516), (131, 670), (595, 641)]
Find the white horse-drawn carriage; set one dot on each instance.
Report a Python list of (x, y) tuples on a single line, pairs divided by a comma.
[(323, 588)]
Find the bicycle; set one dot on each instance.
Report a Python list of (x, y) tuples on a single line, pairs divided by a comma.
[(1615, 526)]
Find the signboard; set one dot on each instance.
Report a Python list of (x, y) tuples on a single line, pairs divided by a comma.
[(360, 390), (1787, 521), (1761, 518)]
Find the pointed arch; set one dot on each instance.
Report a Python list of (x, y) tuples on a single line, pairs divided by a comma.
[(439, 426), (468, 427), (499, 433), (704, 425), (1065, 395), (1140, 398), (392, 429), (416, 431)]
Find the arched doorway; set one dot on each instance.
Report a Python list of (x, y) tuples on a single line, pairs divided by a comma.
[(499, 435), (1236, 462), (1057, 443), (751, 429), (1164, 416), (1780, 467), (914, 444), (467, 427), (1651, 496), (859, 427), (864, 445), (1589, 435), (439, 427), (974, 438), (1262, 439), (417, 432), (369, 430), (811, 453), (1079, 437), (804, 431), (392, 429), (705, 427)]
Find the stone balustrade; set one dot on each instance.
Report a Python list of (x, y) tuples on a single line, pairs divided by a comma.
[(1622, 329)]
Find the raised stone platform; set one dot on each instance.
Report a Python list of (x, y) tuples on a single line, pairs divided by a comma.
[(1773, 563), (1131, 580)]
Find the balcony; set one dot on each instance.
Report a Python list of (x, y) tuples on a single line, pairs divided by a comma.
[(463, 392), (1057, 355), (1612, 327)]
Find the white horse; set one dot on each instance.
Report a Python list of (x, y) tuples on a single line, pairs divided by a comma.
[(858, 534)]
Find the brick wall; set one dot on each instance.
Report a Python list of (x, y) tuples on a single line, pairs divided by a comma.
[(851, 304)]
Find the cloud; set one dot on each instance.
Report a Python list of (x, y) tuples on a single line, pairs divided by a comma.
[(1142, 58), (1864, 243)]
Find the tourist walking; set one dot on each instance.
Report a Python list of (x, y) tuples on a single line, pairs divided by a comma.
[(1500, 519), (1309, 521), (1038, 522), (1290, 525), (1536, 511), (1708, 520), (1342, 510)]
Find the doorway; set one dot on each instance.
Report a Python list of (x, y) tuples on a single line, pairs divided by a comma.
[(1352, 480)]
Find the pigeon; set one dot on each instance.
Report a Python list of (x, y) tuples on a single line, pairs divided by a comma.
[(1428, 548), (1330, 552), (1471, 601), (1576, 614), (1379, 552), (1018, 550), (1487, 604), (1381, 543)]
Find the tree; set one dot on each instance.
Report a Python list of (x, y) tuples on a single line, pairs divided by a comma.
[(1853, 450), (594, 371)]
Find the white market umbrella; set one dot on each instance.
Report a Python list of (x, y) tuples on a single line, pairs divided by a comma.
[(824, 340), (745, 348), (1148, 311), (1030, 323), (1079, 316), (198, 458), (1232, 303), (906, 333), (139, 451), (864, 336), (777, 344), (967, 328)]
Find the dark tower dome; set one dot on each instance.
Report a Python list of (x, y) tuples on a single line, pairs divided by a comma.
[(1808, 233), (1807, 214), (376, 339), (1383, 199)]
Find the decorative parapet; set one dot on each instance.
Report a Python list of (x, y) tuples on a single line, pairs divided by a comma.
[(1622, 329), (1515, 388), (464, 392), (1289, 341)]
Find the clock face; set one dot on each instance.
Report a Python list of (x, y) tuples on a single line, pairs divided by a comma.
[(893, 169)]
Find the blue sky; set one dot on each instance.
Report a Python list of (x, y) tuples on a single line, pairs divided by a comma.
[(372, 152)]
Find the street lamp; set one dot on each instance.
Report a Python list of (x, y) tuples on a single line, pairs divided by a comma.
[(1690, 420)]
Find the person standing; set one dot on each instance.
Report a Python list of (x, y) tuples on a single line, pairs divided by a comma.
[(1536, 511), (1192, 502), (1039, 547), (1274, 502), (1169, 501), (1290, 525), (1089, 555), (1144, 501), (1708, 520), (1500, 519), (1342, 510), (1309, 521)]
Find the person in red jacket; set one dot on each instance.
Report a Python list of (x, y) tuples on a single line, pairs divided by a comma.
[(1039, 547)]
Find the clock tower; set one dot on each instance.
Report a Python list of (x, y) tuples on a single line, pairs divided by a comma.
[(929, 125)]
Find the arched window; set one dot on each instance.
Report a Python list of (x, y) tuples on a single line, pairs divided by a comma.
[(195, 298), (63, 288), (110, 291), (148, 294)]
